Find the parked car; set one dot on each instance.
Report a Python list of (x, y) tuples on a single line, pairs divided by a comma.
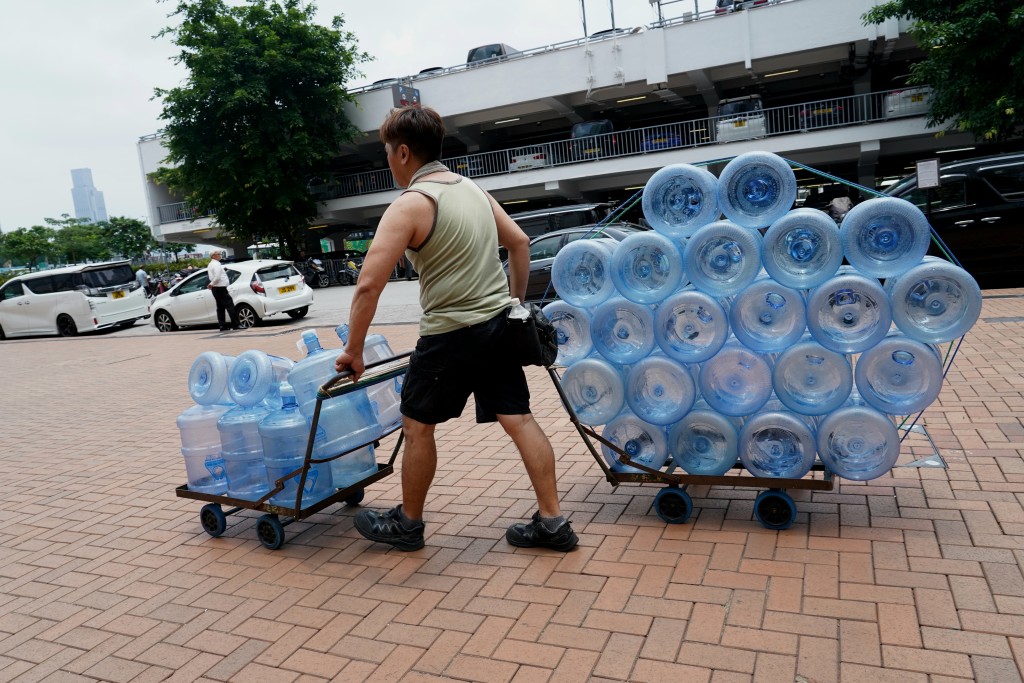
[(544, 248), (978, 211), (821, 115), (486, 54), (259, 288), (665, 137), (592, 140), (540, 221), (740, 118), (726, 6), (908, 102), (524, 158)]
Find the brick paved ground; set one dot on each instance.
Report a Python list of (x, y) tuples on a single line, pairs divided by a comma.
[(106, 575)]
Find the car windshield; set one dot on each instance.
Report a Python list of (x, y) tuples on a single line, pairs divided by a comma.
[(485, 52), (120, 274), (582, 130), (738, 107), (277, 272)]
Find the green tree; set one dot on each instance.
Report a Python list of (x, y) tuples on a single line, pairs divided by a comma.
[(173, 248), (128, 237), (259, 114), (974, 61), (30, 246), (77, 240)]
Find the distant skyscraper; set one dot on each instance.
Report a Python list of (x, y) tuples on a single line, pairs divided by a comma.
[(88, 200)]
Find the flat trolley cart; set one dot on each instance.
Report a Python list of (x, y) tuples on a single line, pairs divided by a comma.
[(773, 507), (270, 526)]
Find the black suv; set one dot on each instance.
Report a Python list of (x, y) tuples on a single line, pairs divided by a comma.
[(978, 210)]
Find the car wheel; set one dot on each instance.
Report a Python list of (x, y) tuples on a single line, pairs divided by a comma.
[(323, 280), (66, 326), (246, 316), (164, 322), (298, 313)]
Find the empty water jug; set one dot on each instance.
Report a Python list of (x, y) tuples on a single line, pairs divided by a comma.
[(572, 327), (594, 390), (256, 376), (857, 442), (581, 272), (679, 199), (722, 258), (242, 450), (899, 376), (775, 442), (659, 390), (201, 448), (736, 381), (208, 379), (385, 397), (691, 326), (756, 189), (810, 379), (646, 267), (884, 236), (644, 443), (935, 301), (768, 317), (284, 434), (848, 313), (705, 442), (622, 331), (802, 249)]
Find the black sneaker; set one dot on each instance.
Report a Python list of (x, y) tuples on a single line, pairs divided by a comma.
[(534, 534), (387, 527)]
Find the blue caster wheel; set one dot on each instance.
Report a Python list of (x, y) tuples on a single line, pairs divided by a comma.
[(774, 509), (356, 498), (673, 505), (213, 519), (270, 531)]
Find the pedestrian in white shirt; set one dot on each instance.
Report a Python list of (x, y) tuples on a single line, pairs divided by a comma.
[(219, 286)]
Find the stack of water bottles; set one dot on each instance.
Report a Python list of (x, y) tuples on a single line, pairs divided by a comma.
[(252, 419), (745, 339)]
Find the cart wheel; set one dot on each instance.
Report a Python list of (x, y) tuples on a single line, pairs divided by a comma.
[(270, 532), (774, 509), (356, 498), (213, 519), (673, 505)]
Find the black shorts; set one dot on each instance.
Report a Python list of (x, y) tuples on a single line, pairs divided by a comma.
[(446, 368)]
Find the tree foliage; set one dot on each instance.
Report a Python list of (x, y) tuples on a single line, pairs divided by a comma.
[(77, 240), (259, 114), (974, 61), (128, 237), (28, 246)]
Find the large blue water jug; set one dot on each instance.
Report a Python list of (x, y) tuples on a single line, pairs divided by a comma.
[(284, 434), (722, 258), (802, 249), (643, 442), (755, 189), (594, 389), (848, 313), (679, 199), (935, 301), (659, 390), (884, 236), (768, 317), (201, 448), (691, 326), (736, 381), (899, 375), (810, 379), (256, 377), (857, 442), (208, 379), (705, 441), (385, 397), (581, 272), (647, 267), (775, 442), (622, 330), (572, 327), (242, 450)]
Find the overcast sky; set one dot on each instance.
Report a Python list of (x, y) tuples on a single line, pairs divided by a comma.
[(77, 77)]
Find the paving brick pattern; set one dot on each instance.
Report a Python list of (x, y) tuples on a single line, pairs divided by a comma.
[(106, 575)]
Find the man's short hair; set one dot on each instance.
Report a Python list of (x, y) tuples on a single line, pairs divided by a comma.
[(420, 128)]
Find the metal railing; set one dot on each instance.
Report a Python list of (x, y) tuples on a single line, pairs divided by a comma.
[(181, 211)]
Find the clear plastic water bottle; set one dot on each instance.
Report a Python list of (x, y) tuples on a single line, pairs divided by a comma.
[(768, 317), (736, 381), (848, 313), (810, 379), (201, 448), (775, 442), (581, 273), (342, 331), (646, 267), (755, 189), (208, 379), (385, 397), (722, 258), (572, 325), (884, 236), (659, 390), (802, 249), (242, 450), (705, 442), (643, 442), (256, 376), (594, 389), (935, 301), (285, 436), (622, 331), (679, 199), (899, 376), (691, 326), (857, 442)]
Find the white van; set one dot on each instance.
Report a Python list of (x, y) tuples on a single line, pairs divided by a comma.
[(740, 118), (73, 299)]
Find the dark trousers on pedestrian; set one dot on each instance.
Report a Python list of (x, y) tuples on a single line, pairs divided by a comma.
[(224, 305)]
